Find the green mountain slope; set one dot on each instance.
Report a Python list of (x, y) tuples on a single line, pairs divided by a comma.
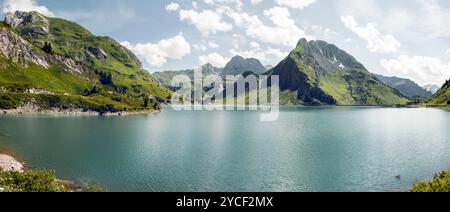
[(49, 56), (442, 97), (406, 86), (318, 73)]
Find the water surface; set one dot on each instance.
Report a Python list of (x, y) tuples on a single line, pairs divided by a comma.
[(307, 149)]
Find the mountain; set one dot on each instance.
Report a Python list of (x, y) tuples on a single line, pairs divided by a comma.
[(165, 77), (55, 63), (318, 73), (405, 86), (442, 97), (239, 65), (432, 88)]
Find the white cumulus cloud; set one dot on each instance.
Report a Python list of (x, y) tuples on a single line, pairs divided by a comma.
[(295, 4), (283, 32), (205, 45), (423, 70), (214, 59), (266, 55), (173, 7), (26, 6), (376, 42), (157, 54), (207, 22)]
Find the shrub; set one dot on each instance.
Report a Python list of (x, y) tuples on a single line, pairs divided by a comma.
[(48, 48), (8, 103), (30, 181), (440, 183)]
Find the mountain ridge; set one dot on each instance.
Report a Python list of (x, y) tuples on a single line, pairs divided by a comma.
[(239, 65), (406, 86), (319, 73)]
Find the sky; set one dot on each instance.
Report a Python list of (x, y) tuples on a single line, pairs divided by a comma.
[(404, 38)]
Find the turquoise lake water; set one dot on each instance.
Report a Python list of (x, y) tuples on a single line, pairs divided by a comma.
[(307, 149)]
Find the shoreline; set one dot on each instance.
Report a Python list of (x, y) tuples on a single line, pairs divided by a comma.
[(71, 112), (10, 164)]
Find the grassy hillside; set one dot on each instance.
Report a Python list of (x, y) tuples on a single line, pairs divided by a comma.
[(319, 73), (111, 76), (442, 97)]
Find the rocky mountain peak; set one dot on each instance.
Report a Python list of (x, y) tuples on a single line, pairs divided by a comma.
[(30, 24), (239, 65), (327, 55)]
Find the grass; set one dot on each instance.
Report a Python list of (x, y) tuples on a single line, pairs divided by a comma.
[(440, 183), (442, 97)]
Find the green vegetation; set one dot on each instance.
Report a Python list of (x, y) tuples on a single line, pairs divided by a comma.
[(40, 181), (110, 77), (440, 183), (30, 181), (318, 73), (442, 97), (96, 102)]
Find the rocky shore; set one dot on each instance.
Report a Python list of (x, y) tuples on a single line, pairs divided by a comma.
[(9, 164), (34, 110)]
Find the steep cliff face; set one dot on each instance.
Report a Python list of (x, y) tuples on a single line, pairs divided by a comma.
[(318, 73), (20, 51)]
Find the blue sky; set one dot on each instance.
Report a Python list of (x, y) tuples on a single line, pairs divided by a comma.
[(406, 38)]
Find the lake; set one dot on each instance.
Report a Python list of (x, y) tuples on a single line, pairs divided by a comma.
[(307, 149)]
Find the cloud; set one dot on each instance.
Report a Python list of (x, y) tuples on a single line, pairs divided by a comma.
[(173, 7), (26, 6), (205, 45), (283, 32), (423, 70), (207, 22), (214, 59), (157, 54), (295, 4), (255, 2), (236, 3), (267, 55), (376, 42), (434, 19)]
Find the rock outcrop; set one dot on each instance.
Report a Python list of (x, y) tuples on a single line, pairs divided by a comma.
[(20, 51), (30, 24), (9, 164)]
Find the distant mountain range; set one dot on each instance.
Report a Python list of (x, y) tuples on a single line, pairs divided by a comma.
[(165, 77), (55, 63), (239, 65), (405, 86), (314, 73), (318, 73)]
